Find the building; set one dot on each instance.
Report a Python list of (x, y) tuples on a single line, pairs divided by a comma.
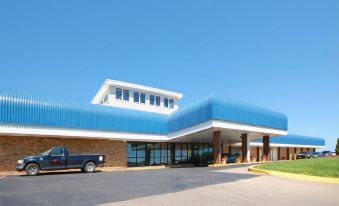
[(135, 125)]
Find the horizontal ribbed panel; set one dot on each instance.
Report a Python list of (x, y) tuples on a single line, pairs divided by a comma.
[(32, 110), (294, 139), (226, 110)]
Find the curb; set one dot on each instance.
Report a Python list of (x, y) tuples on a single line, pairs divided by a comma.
[(294, 176)]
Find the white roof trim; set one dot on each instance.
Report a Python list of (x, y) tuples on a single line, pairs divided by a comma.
[(53, 131), (61, 132), (257, 144), (109, 82)]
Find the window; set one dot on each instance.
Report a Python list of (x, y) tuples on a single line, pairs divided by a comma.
[(151, 99), (105, 99), (166, 102), (118, 93), (58, 151), (157, 100), (126, 94), (136, 97), (142, 98), (171, 103)]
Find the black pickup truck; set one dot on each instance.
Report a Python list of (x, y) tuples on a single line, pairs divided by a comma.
[(58, 158)]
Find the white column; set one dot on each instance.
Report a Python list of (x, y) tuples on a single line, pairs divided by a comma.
[(248, 155)]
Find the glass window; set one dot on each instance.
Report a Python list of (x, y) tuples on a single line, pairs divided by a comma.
[(178, 149), (142, 98), (140, 161), (132, 162), (171, 103), (157, 100), (201, 149), (132, 150), (141, 150), (126, 95), (189, 150), (177, 159), (118, 93), (184, 150), (136, 97), (166, 102), (151, 99), (58, 151)]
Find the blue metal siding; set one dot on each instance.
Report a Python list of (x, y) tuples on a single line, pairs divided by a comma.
[(226, 110), (31, 110), (294, 139)]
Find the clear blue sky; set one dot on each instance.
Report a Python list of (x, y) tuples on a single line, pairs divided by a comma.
[(283, 55)]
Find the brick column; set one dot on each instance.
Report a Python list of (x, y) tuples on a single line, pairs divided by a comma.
[(258, 154), (216, 147), (245, 147), (279, 153), (288, 154), (266, 148), (295, 153)]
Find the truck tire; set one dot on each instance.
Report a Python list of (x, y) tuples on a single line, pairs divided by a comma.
[(32, 169), (90, 167)]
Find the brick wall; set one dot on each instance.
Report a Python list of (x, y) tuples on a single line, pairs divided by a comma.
[(12, 148)]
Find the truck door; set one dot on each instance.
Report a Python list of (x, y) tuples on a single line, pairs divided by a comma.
[(56, 159)]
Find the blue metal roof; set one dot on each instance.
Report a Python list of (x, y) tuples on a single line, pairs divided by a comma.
[(26, 109), (294, 139), (226, 110)]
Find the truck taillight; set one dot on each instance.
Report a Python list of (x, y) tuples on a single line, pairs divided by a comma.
[(101, 158)]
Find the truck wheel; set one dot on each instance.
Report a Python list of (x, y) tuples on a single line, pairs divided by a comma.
[(32, 169), (90, 167)]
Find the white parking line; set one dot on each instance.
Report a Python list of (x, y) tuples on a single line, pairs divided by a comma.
[(3, 176)]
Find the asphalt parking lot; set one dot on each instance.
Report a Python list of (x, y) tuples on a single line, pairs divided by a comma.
[(231, 185)]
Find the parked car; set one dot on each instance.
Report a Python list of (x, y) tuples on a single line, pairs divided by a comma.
[(304, 155), (231, 158), (326, 153), (58, 158), (316, 154), (334, 154)]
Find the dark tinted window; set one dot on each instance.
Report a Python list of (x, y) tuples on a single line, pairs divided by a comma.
[(136, 97), (166, 102), (157, 100), (58, 151), (142, 98), (151, 99), (126, 94), (118, 93)]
